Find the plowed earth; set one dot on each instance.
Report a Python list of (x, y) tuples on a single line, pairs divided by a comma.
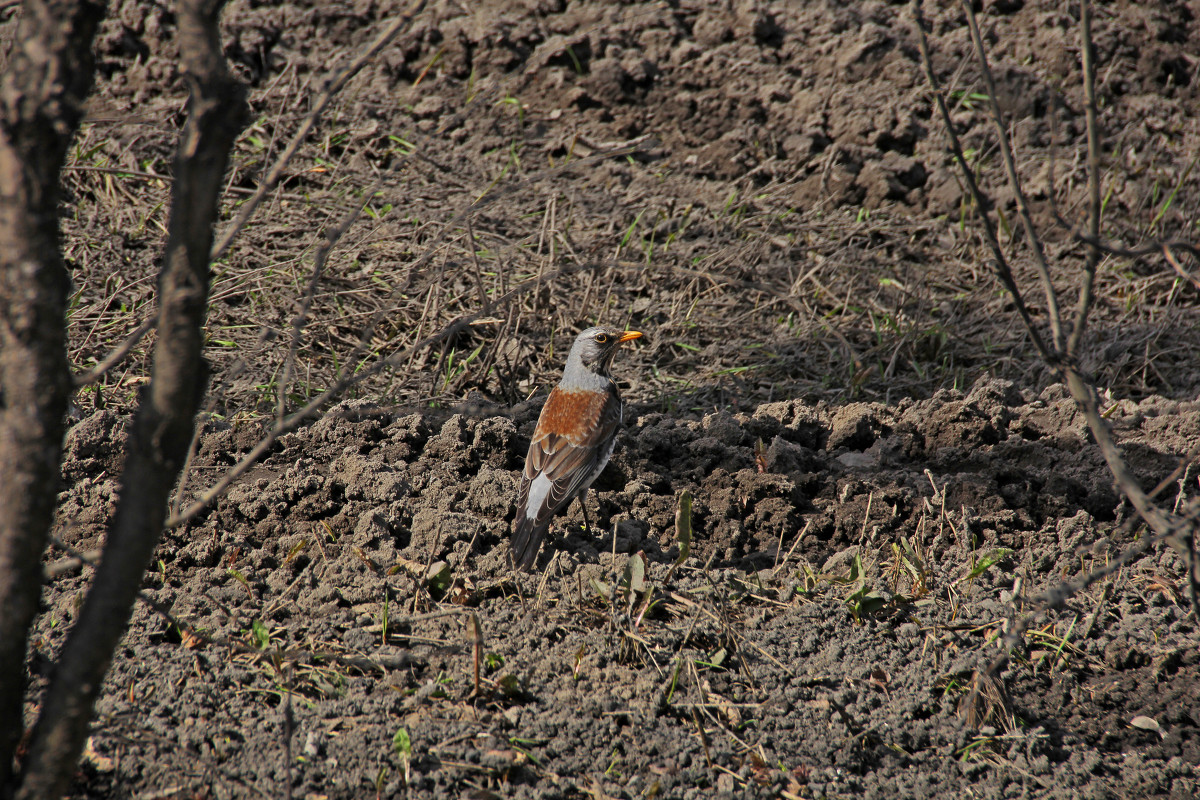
[(884, 480)]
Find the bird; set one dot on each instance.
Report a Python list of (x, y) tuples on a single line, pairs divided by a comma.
[(573, 440)]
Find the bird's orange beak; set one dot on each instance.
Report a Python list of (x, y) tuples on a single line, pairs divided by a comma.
[(629, 336)]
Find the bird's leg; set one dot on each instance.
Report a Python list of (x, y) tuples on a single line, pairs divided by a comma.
[(583, 505)]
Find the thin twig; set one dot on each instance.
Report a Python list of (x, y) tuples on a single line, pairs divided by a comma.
[(1169, 255), (69, 564), (1056, 596), (1178, 532), (186, 470), (1010, 167), (1093, 166)]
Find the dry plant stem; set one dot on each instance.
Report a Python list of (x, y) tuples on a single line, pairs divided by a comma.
[(431, 248), (163, 425), (332, 237), (345, 380), (116, 356), (1169, 255), (153, 176), (1010, 168), (1053, 598), (497, 193), (332, 87), (484, 303), (50, 72), (999, 264), (1093, 157), (287, 676), (1184, 464), (476, 632)]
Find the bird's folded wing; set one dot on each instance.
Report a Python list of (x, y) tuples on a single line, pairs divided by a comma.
[(567, 460)]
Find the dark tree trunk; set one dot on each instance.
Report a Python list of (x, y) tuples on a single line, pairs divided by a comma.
[(50, 73)]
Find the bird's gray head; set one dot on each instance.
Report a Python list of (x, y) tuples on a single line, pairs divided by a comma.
[(593, 351)]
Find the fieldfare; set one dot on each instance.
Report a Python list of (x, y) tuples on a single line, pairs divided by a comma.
[(573, 440)]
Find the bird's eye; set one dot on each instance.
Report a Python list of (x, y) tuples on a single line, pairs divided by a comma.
[(601, 338)]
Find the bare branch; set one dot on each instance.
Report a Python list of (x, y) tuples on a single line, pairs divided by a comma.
[(999, 263), (477, 271), (1179, 532), (1056, 596)]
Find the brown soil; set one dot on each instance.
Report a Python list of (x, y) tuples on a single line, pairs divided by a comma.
[(829, 370)]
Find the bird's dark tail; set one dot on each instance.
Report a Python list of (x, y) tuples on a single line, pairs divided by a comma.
[(526, 540)]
